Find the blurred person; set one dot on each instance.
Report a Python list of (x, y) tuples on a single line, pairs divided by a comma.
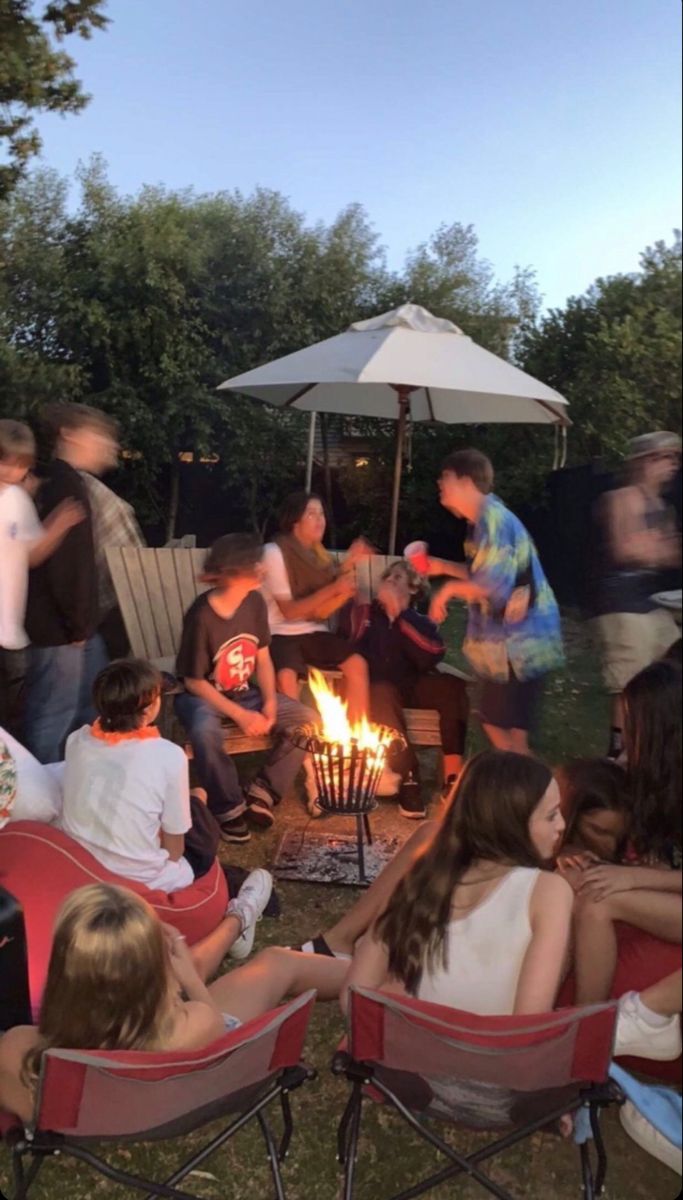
[(638, 541), (514, 636), (61, 617)]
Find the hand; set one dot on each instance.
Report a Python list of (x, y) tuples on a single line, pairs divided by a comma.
[(604, 880), (345, 585), (253, 724), (438, 608), (360, 548), (574, 859), (180, 958), (269, 711), (64, 516)]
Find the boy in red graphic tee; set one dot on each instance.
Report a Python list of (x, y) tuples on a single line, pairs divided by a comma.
[(225, 664)]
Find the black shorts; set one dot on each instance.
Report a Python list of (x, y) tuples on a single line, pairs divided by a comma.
[(298, 652), (511, 705)]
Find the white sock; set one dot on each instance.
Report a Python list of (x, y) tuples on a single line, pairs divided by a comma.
[(242, 910), (656, 1020)]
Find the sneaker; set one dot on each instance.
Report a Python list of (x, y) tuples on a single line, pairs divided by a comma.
[(249, 904), (235, 830), (650, 1139), (259, 814), (635, 1036), (410, 802)]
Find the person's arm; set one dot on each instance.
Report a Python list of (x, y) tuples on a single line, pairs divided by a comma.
[(605, 879), (200, 1019), (174, 844), (467, 591), (211, 696), (265, 678), (54, 529), (369, 967), (550, 915), (443, 566), (334, 594), (420, 640), (176, 815)]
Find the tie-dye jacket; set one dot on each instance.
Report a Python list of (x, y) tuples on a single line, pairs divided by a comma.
[(503, 559)]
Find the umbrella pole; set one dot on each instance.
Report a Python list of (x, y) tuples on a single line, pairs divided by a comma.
[(403, 402), (309, 454)]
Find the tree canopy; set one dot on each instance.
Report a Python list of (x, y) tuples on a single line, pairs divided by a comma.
[(143, 304)]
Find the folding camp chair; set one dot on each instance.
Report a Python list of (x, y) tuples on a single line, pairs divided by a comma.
[(506, 1075), (91, 1096)]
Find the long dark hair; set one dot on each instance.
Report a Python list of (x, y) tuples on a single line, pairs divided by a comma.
[(652, 735), (591, 785), (488, 819)]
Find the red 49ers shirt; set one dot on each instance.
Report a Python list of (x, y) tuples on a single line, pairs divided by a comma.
[(223, 649)]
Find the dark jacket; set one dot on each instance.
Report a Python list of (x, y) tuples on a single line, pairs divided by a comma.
[(62, 591), (398, 653)]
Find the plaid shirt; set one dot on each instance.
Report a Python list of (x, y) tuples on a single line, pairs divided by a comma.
[(113, 524)]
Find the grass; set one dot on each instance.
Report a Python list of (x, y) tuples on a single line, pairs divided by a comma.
[(574, 722)]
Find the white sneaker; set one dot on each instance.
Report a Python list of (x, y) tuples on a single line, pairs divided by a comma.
[(650, 1139), (635, 1036), (249, 904)]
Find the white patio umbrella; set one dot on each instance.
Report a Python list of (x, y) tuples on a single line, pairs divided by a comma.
[(404, 364)]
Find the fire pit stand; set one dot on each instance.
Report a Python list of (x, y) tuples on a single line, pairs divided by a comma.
[(347, 777)]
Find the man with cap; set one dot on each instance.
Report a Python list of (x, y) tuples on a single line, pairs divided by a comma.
[(640, 541)]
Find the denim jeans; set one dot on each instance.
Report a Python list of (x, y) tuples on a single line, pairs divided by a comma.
[(58, 696), (216, 771)]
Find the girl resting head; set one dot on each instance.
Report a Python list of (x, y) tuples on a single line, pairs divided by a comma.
[(595, 806)]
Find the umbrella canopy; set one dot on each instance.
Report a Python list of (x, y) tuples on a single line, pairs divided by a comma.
[(404, 363)]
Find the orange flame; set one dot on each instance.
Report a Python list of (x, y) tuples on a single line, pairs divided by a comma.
[(335, 724)]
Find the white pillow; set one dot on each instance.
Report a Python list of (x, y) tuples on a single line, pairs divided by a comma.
[(39, 793)]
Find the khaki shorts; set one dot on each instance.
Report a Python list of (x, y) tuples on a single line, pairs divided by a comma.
[(629, 642)]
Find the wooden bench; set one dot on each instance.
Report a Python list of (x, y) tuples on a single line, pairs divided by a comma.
[(155, 587)]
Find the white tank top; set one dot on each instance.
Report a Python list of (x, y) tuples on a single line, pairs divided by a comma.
[(486, 950)]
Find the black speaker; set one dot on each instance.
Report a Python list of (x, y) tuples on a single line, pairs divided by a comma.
[(15, 1002)]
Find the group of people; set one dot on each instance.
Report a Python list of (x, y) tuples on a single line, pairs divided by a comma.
[(522, 876)]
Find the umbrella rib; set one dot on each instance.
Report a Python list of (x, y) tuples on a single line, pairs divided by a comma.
[(548, 408), (297, 395), (429, 402)]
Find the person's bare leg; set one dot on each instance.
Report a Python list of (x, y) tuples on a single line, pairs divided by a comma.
[(208, 954), (519, 741), (658, 913), (355, 672), (272, 976), (500, 739), (287, 682), (342, 936), (666, 996)]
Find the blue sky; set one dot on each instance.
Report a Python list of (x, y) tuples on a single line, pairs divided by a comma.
[(554, 129)]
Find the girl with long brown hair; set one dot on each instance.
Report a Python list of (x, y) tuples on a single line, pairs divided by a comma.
[(477, 922)]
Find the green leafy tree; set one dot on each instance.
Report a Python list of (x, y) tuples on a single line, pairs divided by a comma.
[(36, 75)]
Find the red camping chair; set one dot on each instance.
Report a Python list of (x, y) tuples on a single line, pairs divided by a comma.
[(510, 1075), (87, 1096)]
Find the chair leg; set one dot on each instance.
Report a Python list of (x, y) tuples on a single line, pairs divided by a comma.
[(588, 1188), (343, 1129), (288, 1126), (599, 1149), (273, 1157), (353, 1135)]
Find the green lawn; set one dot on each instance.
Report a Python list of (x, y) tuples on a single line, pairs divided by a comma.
[(390, 1157)]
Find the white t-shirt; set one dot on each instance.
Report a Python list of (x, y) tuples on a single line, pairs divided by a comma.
[(118, 797), (276, 583), (19, 529)]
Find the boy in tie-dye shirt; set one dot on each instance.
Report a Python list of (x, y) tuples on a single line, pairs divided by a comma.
[(513, 635)]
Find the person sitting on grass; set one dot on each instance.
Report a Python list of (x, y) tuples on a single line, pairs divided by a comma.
[(127, 801), (119, 979), (304, 587), (225, 664), (402, 648), (645, 890)]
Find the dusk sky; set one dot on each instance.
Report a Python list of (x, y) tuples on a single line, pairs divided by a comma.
[(554, 129)]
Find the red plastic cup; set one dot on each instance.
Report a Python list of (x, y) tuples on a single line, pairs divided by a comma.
[(417, 554)]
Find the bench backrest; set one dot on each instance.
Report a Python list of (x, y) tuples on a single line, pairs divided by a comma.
[(155, 588)]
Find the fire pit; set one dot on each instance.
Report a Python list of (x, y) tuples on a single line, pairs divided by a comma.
[(348, 760)]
